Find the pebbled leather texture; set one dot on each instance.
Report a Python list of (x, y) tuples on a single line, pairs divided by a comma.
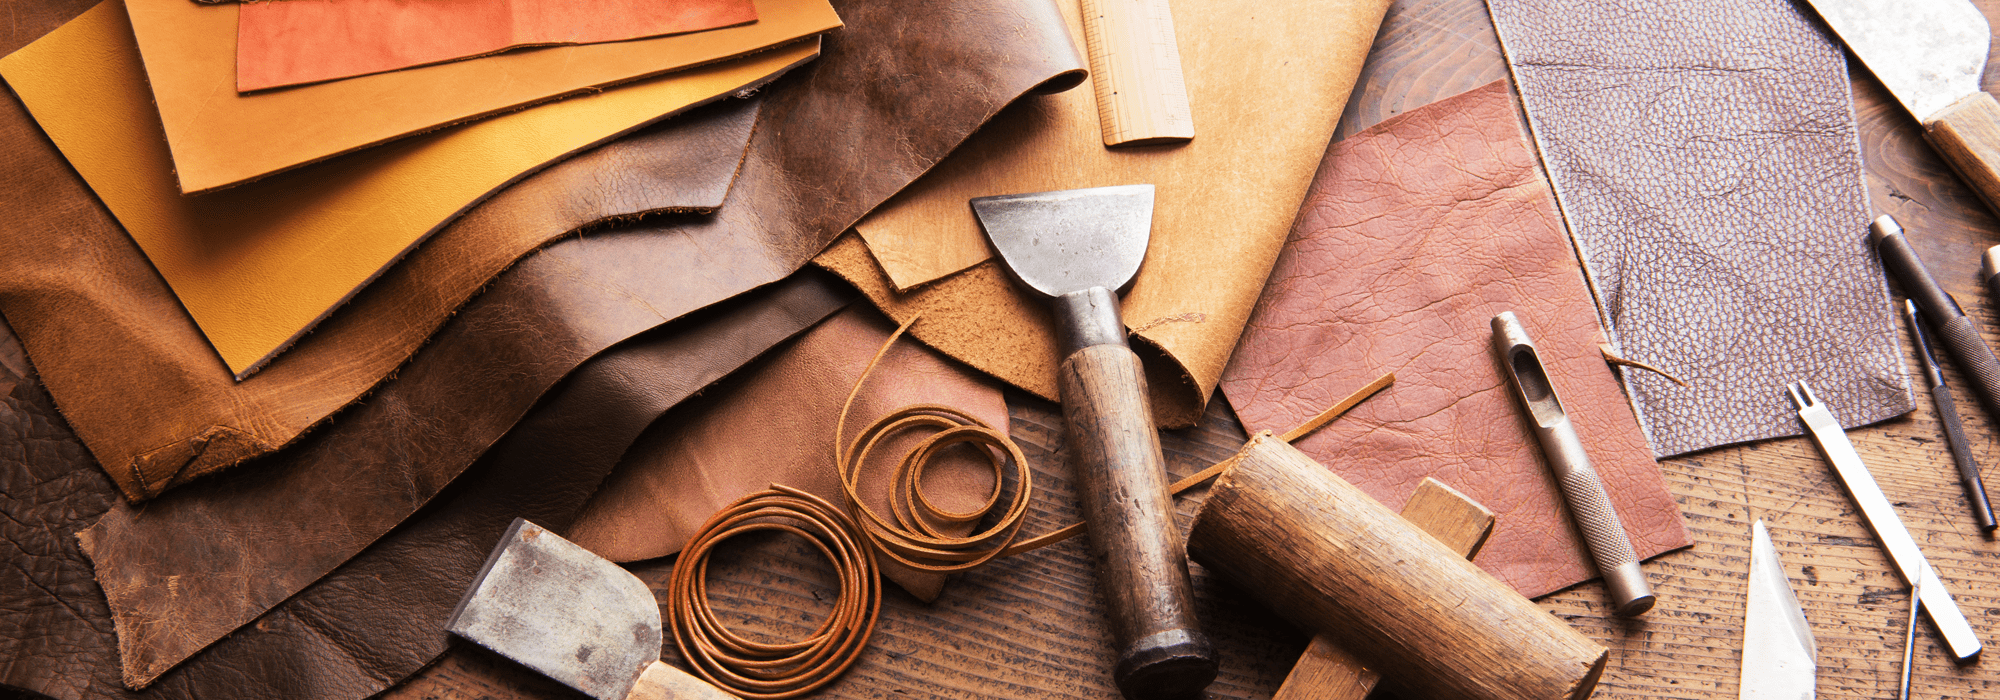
[(310, 41), (141, 385), (1713, 184), (259, 265), (579, 296), (775, 425), (379, 616), (1415, 234)]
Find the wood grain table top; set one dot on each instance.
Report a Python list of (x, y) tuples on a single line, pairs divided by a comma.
[(1031, 625)]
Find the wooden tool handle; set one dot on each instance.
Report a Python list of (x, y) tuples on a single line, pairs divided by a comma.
[(1339, 563), (1967, 133), (662, 682), (1122, 486), (1327, 672)]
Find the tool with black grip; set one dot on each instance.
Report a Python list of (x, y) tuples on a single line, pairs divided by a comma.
[(1954, 430), (1954, 331), (1078, 247)]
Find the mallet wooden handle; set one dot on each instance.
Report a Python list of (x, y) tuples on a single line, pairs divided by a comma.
[(1327, 672), (1122, 487), (1967, 134), (662, 682), (1341, 564)]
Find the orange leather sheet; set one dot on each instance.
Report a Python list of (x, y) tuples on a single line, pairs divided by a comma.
[(257, 266), (220, 138), (297, 42)]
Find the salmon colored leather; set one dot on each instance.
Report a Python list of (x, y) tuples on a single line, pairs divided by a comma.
[(1415, 234), (297, 42), (259, 265), (775, 425)]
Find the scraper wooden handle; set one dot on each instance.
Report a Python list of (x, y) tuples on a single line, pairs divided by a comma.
[(662, 682), (1122, 486), (1967, 133)]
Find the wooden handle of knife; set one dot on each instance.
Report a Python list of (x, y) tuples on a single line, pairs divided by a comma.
[(1967, 133), (1122, 486), (662, 682), (1327, 672)]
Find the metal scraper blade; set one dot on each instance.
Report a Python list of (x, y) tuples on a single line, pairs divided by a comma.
[(566, 613), (1780, 660), (1070, 240), (1929, 53)]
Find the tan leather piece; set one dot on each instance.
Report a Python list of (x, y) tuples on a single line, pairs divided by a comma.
[(257, 266), (309, 41), (146, 392), (1417, 232), (1267, 87), (775, 425), (1708, 161), (220, 138)]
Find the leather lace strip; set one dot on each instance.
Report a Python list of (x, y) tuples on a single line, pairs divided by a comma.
[(912, 534)]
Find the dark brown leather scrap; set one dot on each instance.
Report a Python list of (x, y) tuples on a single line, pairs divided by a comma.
[(835, 139), (379, 616), (1707, 161)]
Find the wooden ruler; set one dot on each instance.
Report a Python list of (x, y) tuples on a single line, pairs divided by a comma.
[(1135, 63)]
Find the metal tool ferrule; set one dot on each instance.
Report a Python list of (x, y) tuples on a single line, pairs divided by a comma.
[(1088, 318)]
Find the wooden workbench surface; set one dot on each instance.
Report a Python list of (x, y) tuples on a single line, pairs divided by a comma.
[(1031, 626)]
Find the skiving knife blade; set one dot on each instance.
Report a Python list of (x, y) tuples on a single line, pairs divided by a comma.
[(1779, 658)]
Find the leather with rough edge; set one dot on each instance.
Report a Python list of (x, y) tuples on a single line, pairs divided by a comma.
[(1712, 180), (309, 41), (259, 265), (144, 390), (220, 138), (775, 424), (1416, 233), (1267, 84), (379, 617), (801, 184)]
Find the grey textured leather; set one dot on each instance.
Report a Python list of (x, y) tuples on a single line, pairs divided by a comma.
[(1706, 158)]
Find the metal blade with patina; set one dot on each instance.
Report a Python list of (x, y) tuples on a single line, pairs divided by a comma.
[(1071, 240), (566, 613), (1930, 53), (1779, 657)]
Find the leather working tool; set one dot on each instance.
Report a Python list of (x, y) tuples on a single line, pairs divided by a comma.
[(1989, 270), (1954, 329), (1327, 672), (1779, 657), (1077, 248), (1135, 58), (1954, 429), (1583, 490), (1959, 638), (1338, 563), (1930, 54), (1910, 636), (574, 617)]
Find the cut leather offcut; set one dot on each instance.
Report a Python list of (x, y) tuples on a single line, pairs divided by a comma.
[(1415, 234), (308, 41), (147, 393), (1707, 161), (1267, 85), (776, 425), (259, 265), (220, 138)]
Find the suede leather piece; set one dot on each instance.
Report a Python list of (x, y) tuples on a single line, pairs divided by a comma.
[(141, 385), (776, 424), (220, 138), (1712, 180), (309, 41), (800, 185), (379, 617), (259, 265), (1416, 233), (1267, 85)]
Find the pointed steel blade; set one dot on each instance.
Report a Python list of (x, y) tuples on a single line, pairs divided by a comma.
[(1930, 53), (1070, 240), (1779, 657), (566, 613)]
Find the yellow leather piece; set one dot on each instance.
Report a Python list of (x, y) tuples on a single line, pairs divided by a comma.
[(220, 138), (257, 266)]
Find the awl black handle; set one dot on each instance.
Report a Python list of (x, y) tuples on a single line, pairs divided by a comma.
[(1954, 331)]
